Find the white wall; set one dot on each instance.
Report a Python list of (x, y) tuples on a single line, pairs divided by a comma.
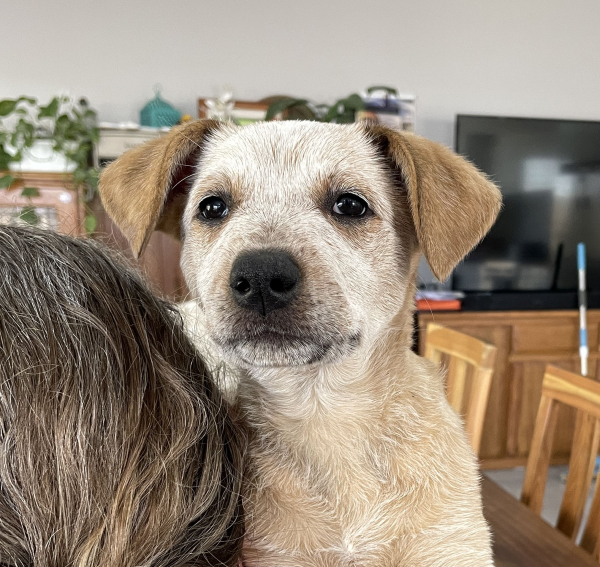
[(508, 57), (514, 57)]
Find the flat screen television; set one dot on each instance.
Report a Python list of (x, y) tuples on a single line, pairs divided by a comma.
[(549, 175)]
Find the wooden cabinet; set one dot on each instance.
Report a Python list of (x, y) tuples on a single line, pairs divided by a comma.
[(159, 263), (57, 207), (526, 342)]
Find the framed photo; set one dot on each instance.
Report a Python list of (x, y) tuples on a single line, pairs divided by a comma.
[(243, 112)]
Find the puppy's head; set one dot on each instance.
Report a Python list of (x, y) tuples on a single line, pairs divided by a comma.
[(300, 239)]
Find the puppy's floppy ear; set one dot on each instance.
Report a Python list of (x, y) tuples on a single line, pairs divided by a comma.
[(146, 188), (453, 204)]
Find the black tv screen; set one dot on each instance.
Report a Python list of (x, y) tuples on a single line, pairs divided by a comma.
[(549, 175)]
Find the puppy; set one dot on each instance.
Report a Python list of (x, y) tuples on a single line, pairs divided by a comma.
[(301, 243)]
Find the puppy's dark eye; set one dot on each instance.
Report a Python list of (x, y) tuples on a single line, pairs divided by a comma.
[(350, 205), (213, 208)]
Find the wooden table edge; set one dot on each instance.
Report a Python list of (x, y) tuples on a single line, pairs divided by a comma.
[(522, 539)]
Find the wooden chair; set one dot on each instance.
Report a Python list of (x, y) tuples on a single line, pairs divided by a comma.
[(470, 365), (563, 387)]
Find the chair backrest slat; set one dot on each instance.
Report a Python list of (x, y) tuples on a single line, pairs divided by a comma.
[(581, 470), (469, 374), (432, 354), (590, 540), (455, 382), (536, 473), (562, 387)]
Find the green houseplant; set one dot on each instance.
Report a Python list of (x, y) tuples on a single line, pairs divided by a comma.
[(342, 111), (68, 126)]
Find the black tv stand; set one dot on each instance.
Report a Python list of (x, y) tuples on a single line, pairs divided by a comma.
[(525, 300)]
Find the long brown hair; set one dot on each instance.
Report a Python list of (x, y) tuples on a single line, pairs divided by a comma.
[(116, 447)]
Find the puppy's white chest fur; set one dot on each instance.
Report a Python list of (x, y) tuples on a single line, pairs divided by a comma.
[(374, 473)]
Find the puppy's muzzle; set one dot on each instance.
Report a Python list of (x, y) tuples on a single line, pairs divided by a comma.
[(264, 280)]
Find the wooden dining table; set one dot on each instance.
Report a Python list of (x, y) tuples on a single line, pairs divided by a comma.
[(522, 539)]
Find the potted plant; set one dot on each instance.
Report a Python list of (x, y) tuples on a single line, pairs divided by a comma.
[(64, 128), (342, 111)]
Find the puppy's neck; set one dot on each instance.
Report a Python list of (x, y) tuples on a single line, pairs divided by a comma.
[(337, 403)]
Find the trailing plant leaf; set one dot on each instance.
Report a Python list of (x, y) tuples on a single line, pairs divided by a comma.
[(30, 192), (6, 181), (23, 135), (92, 178), (5, 159), (78, 176), (90, 223), (50, 110), (7, 106), (29, 215)]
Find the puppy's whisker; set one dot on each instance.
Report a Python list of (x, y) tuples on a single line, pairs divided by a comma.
[(191, 140), (184, 179)]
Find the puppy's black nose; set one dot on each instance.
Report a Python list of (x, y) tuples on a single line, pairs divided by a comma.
[(264, 280)]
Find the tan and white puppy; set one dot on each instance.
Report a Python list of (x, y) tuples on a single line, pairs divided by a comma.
[(301, 242)]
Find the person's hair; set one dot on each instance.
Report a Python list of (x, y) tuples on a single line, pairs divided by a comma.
[(116, 447)]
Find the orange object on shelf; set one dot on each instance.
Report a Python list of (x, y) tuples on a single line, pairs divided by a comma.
[(439, 305)]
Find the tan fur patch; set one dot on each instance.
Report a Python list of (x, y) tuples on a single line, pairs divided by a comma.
[(136, 189), (452, 203)]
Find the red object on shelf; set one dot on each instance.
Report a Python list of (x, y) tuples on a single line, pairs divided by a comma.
[(437, 305)]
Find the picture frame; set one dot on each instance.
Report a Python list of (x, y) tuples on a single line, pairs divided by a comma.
[(243, 113)]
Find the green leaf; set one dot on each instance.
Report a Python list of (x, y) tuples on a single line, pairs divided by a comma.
[(30, 192), (94, 135), (343, 110), (332, 112), (23, 135), (346, 117), (281, 105), (7, 106), (354, 102), (80, 155), (90, 223), (28, 99), (90, 116), (79, 175), (51, 110), (5, 159), (92, 177), (29, 216), (6, 181), (62, 122)]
